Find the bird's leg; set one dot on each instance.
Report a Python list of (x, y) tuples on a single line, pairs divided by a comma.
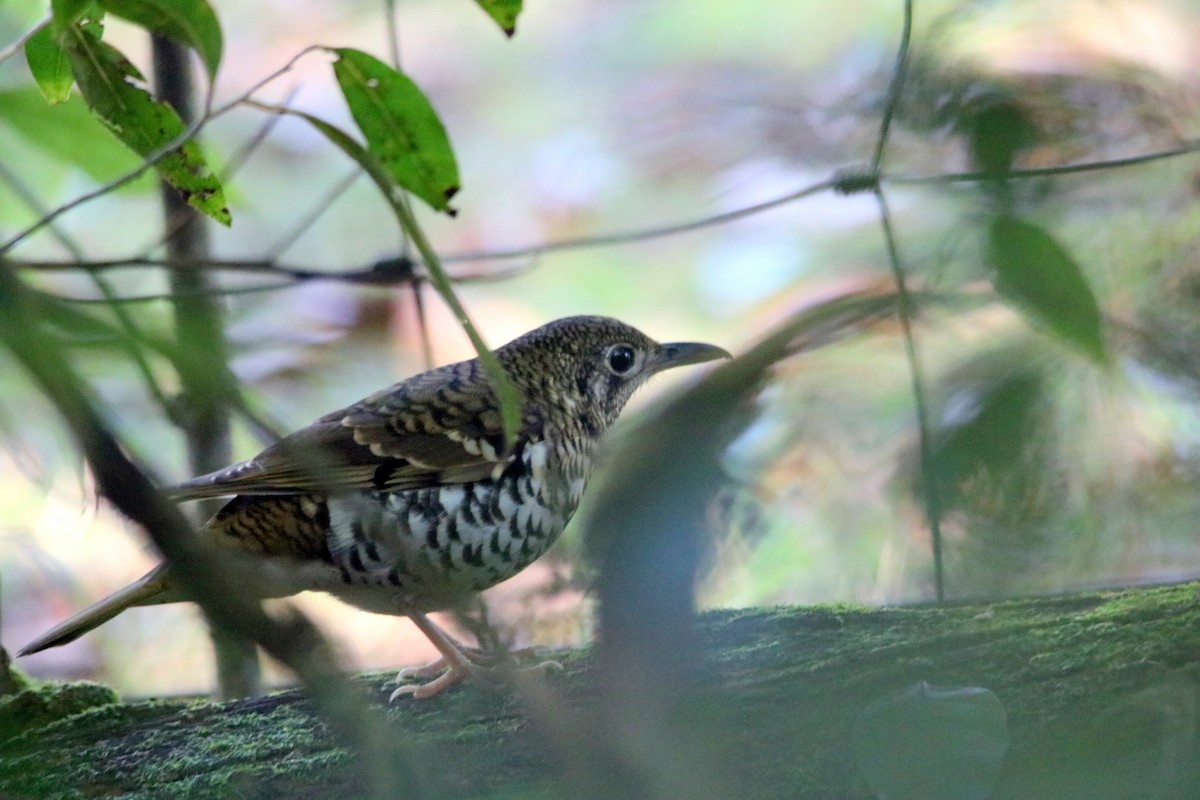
[(456, 662), (485, 659), (430, 670)]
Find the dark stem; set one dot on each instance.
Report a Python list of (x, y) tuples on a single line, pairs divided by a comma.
[(906, 311), (208, 575), (905, 307), (202, 411)]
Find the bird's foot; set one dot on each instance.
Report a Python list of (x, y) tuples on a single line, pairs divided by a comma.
[(450, 674), (481, 665), (456, 663)]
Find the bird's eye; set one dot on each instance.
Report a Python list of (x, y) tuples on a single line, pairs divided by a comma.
[(621, 358)]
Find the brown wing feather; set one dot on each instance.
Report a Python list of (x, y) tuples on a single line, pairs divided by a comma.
[(439, 427)]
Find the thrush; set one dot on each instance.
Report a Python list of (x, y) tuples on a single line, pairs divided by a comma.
[(411, 501)]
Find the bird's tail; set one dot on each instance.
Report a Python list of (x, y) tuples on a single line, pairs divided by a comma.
[(151, 589)]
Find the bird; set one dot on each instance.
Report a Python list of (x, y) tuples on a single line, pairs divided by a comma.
[(412, 500)]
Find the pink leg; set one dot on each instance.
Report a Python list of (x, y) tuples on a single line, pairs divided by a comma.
[(453, 661), (456, 663)]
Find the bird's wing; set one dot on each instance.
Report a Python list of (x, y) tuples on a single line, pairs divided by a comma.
[(437, 428)]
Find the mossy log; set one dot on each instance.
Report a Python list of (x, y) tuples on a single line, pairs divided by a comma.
[(1097, 694)]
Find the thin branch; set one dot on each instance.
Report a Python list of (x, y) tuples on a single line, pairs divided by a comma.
[(393, 31), (27, 196), (839, 182), (643, 234), (14, 48), (265, 427), (297, 274), (377, 276), (423, 324), (107, 188), (905, 312), (322, 205), (243, 153), (895, 90), (219, 265), (1187, 148), (905, 309), (133, 336), (383, 272), (212, 578), (150, 161), (231, 168), (406, 245)]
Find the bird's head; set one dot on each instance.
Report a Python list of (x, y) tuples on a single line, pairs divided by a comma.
[(590, 366)]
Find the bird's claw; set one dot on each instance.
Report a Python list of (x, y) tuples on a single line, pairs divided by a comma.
[(430, 670), (421, 691), (447, 674)]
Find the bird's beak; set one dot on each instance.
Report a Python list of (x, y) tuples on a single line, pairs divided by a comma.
[(678, 354)]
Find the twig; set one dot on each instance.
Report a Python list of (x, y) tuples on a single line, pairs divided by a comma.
[(370, 277), (905, 310), (381, 272), (393, 31), (643, 234), (532, 251), (14, 48), (1187, 148), (153, 159), (133, 336), (231, 168), (306, 222), (406, 245), (895, 89), (208, 575)]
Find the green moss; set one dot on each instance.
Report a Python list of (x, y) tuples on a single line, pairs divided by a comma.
[(12, 680), (773, 706), (33, 708)]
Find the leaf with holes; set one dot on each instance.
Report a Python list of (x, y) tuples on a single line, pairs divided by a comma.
[(49, 65), (1037, 276), (503, 12), (932, 744), (189, 22), (401, 128), (106, 81)]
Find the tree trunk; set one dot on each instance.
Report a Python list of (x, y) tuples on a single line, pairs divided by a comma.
[(1096, 697), (202, 355)]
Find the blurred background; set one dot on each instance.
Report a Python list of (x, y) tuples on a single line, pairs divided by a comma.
[(606, 116)]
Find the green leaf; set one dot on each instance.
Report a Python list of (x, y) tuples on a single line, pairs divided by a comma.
[(401, 128), (189, 22), (504, 12), (65, 13), (991, 446), (1139, 745), (49, 65), (145, 126), (506, 391), (1037, 275), (932, 744), (68, 131), (998, 129)]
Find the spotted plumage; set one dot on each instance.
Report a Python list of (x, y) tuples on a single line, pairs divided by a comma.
[(409, 501)]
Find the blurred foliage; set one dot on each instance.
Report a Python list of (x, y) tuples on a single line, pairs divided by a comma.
[(932, 744), (1057, 326), (1038, 409)]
